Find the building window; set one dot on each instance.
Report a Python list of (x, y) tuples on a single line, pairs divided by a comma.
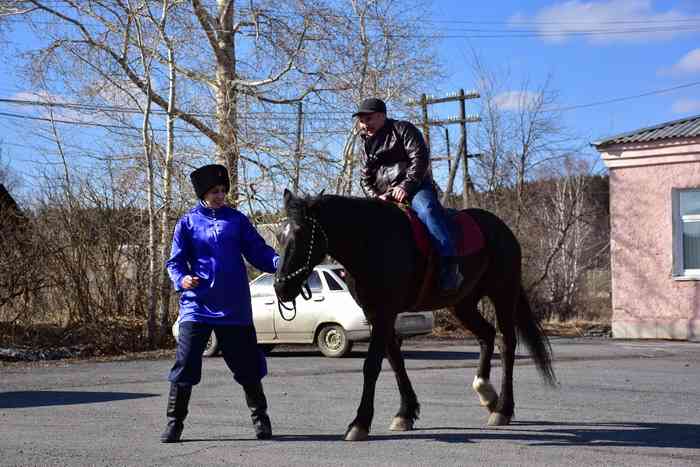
[(686, 232)]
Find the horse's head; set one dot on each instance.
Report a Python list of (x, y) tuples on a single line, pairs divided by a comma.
[(303, 244)]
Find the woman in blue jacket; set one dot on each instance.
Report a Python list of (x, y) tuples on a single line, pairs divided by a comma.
[(206, 266)]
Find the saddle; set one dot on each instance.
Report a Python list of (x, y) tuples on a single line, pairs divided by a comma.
[(467, 238), (465, 232)]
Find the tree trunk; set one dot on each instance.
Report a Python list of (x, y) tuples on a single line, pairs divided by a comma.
[(228, 150), (165, 227)]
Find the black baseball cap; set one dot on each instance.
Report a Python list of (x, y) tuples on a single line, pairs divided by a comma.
[(370, 105)]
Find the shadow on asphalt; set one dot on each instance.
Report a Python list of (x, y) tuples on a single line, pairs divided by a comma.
[(25, 399), (652, 435), (634, 434)]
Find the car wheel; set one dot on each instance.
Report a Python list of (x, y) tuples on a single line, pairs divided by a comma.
[(333, 342), (266, 348), (212, 346)]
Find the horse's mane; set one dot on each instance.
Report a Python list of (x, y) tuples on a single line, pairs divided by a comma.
[(374, 209)]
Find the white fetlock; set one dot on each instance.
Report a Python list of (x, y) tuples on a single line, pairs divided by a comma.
[(401, 424), (486, 392)]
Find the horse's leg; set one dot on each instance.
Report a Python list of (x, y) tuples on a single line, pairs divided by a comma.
[(505, 304), (468, 313), (410, 408), (358, 430)]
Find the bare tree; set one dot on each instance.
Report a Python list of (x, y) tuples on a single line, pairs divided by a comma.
[(165, 85), (532, 172), (388, 59), (14, 8)]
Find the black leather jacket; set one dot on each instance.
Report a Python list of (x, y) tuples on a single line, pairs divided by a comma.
[(394, 156)]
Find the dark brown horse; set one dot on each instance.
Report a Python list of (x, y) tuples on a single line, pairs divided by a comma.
[(373, 240)]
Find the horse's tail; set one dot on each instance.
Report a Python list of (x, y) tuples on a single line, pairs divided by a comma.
[(535, 339)]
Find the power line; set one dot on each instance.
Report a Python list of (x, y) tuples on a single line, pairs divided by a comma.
[(626, 98), (481, 33), (244, 11), (130, 110), (69, 122), (507, 34), (271, 132), (107, 108), (662, 25)]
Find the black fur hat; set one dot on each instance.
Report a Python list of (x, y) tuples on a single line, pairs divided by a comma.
[(207, 177)]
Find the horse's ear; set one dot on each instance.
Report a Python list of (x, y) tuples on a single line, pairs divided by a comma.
[(321, 194), (287, 196)]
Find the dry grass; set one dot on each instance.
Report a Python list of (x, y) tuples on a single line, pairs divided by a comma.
[(125, 339), (449, 328), (107, 337)]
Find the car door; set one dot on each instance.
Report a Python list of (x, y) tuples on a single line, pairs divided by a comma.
[(264, 304), (301, 328)]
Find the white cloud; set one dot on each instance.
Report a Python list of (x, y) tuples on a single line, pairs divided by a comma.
[(603, 22), (686, 106), (689, 63), (515, 100)]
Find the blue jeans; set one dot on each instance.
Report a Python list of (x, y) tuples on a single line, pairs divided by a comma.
[(428, 208), (239, 347)]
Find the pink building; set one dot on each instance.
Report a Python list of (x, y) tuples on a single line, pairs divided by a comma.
[(655, 230)]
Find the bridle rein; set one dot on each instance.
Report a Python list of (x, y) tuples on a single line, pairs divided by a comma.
[(303, 271)]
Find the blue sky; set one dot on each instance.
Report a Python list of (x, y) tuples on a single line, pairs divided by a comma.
[(593, 50), (664, 52)]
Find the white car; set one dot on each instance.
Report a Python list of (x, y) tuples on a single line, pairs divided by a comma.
[(331, 319)]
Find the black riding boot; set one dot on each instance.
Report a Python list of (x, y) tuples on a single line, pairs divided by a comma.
[(255, 398), (178, 400), (450, 277)]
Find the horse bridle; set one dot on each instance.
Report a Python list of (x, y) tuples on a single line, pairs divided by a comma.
[(305, 270)]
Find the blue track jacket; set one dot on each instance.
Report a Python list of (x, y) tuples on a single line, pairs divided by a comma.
[(210, 244)]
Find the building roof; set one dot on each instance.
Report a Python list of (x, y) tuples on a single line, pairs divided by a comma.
[(684, 128)]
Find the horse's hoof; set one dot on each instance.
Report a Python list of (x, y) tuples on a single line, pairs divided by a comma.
[(356, 434), (401, 424), (498, 419)]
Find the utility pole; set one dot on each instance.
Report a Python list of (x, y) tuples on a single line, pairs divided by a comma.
[(298, 149), (447, 146), (426, 123), (465, 180), (463, 119)]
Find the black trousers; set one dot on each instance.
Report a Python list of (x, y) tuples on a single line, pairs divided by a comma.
[(238, 345)]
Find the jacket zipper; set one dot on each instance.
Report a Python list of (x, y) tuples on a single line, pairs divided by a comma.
[(216, 236)]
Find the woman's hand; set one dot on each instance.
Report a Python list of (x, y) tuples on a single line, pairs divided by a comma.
[(190, 282)]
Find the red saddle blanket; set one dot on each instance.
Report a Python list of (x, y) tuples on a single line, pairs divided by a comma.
[(466, 234)]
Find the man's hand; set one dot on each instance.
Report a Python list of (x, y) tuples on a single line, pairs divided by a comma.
[(399, 194), (190, 282)]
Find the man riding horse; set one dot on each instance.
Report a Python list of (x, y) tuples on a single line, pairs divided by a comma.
[(396, 165)]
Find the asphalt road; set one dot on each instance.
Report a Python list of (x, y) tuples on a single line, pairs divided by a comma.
[(618, 403)]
